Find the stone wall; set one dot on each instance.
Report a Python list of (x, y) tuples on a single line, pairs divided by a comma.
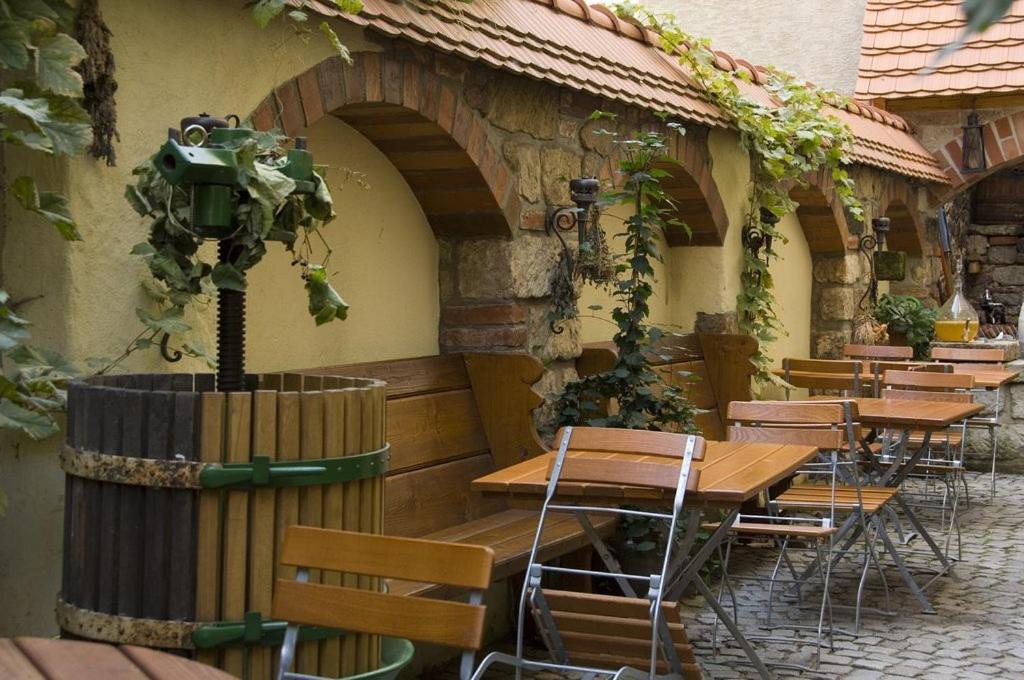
[(996, 251), (840, 280)]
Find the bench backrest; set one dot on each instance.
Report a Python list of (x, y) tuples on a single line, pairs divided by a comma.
[(922, 380), (979, 355), (878, 352), (720, 363), (450, 419)]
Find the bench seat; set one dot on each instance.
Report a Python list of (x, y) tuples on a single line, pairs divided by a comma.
[(510, 534), (451, 419)]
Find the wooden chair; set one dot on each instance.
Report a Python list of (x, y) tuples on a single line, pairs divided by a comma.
[(845, 377), (967, 354), (453, 624), (598, 634), (879, 352), (943, 463), (878, 369), (833, 427), (989, 420)]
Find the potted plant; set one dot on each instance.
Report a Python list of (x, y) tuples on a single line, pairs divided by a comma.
[(909, 322)]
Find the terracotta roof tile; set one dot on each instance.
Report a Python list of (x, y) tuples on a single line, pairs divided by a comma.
[(903, 37), (590, 49)]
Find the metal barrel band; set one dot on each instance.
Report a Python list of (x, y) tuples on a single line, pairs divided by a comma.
[(262, 472), (254, 630), (105, 467), (185, 474)]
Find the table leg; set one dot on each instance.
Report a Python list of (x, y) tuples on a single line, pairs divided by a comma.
[(923, 533), (604, 553), (688, 571), (908, 578)]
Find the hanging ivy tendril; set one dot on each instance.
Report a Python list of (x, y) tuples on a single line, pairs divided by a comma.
[(786, 141), (267, 209)]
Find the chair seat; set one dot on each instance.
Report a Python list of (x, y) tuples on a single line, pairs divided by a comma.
[(782, 529), (953, 439), (819, 497), (510, 534), (606, 631)]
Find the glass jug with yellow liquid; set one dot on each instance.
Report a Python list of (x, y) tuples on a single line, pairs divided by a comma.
[(956, 320)]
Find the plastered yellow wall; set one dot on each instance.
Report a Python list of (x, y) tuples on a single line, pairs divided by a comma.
[(706, 278), (176, 59)]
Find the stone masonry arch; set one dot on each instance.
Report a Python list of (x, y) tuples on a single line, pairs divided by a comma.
[(1004, 147)]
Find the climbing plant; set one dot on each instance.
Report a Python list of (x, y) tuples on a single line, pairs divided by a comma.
[(265, 11), (39, 111), (641, 397), (786, 140)]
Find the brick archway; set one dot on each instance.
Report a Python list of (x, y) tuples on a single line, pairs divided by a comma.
[(438, 142), (693, 189), (907, 231), (1004, 147), (822, 218)]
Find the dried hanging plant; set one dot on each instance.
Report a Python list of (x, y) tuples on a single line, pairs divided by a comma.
[(596, 264), (98, 83), (564, 293)]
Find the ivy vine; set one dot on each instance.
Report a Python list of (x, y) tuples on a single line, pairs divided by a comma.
[(265, 11), (641, 398), (267, 209), (40, 111), (786, 142)]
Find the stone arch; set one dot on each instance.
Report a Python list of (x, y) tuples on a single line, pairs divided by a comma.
[(1004, 147), (693, 189), (821, 215), (907, 231), (440, 144)]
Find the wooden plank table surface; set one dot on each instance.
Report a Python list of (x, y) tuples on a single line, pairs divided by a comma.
[(911, 413), (985, 376), (26, 658), (731, 473)]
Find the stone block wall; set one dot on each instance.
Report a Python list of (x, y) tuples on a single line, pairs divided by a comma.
[(840, 280), (997, 252)]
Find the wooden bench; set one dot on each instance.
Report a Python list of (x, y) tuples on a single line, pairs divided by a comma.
[(720, 362), (450, 420)]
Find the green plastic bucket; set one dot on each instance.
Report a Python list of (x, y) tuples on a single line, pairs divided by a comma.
[(396, 653)]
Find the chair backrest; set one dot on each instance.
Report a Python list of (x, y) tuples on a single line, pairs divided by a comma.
[(814, 423), (454, 624), (967, 354), (919, 395), (636, 462), (878, 369), (823, 374), (878, 352), (928, 381)]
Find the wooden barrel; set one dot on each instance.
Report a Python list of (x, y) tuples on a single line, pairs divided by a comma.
[(177, 497)]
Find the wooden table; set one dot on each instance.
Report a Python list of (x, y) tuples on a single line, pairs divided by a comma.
[(731, 473), (906, 416), (27, 658), (987, 377), (902, 414)]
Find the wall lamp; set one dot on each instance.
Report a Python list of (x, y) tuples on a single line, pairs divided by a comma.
[(973, 156), (884, 265), (584, 192)]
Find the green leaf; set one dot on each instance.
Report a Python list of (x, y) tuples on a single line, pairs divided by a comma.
[(335, 41), (56, 57), (143, 249), (50, 205), (32, 423), (172, 321), (349, 6), (68, 126), (227, 276), (265, 11), (13, 44), (324, 302)]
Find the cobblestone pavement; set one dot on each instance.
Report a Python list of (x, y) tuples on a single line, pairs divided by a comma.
[(977, 632)]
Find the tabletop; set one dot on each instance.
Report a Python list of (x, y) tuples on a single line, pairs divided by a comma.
[(731, 473), (985, 376), (911, 413), (28, 658)]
